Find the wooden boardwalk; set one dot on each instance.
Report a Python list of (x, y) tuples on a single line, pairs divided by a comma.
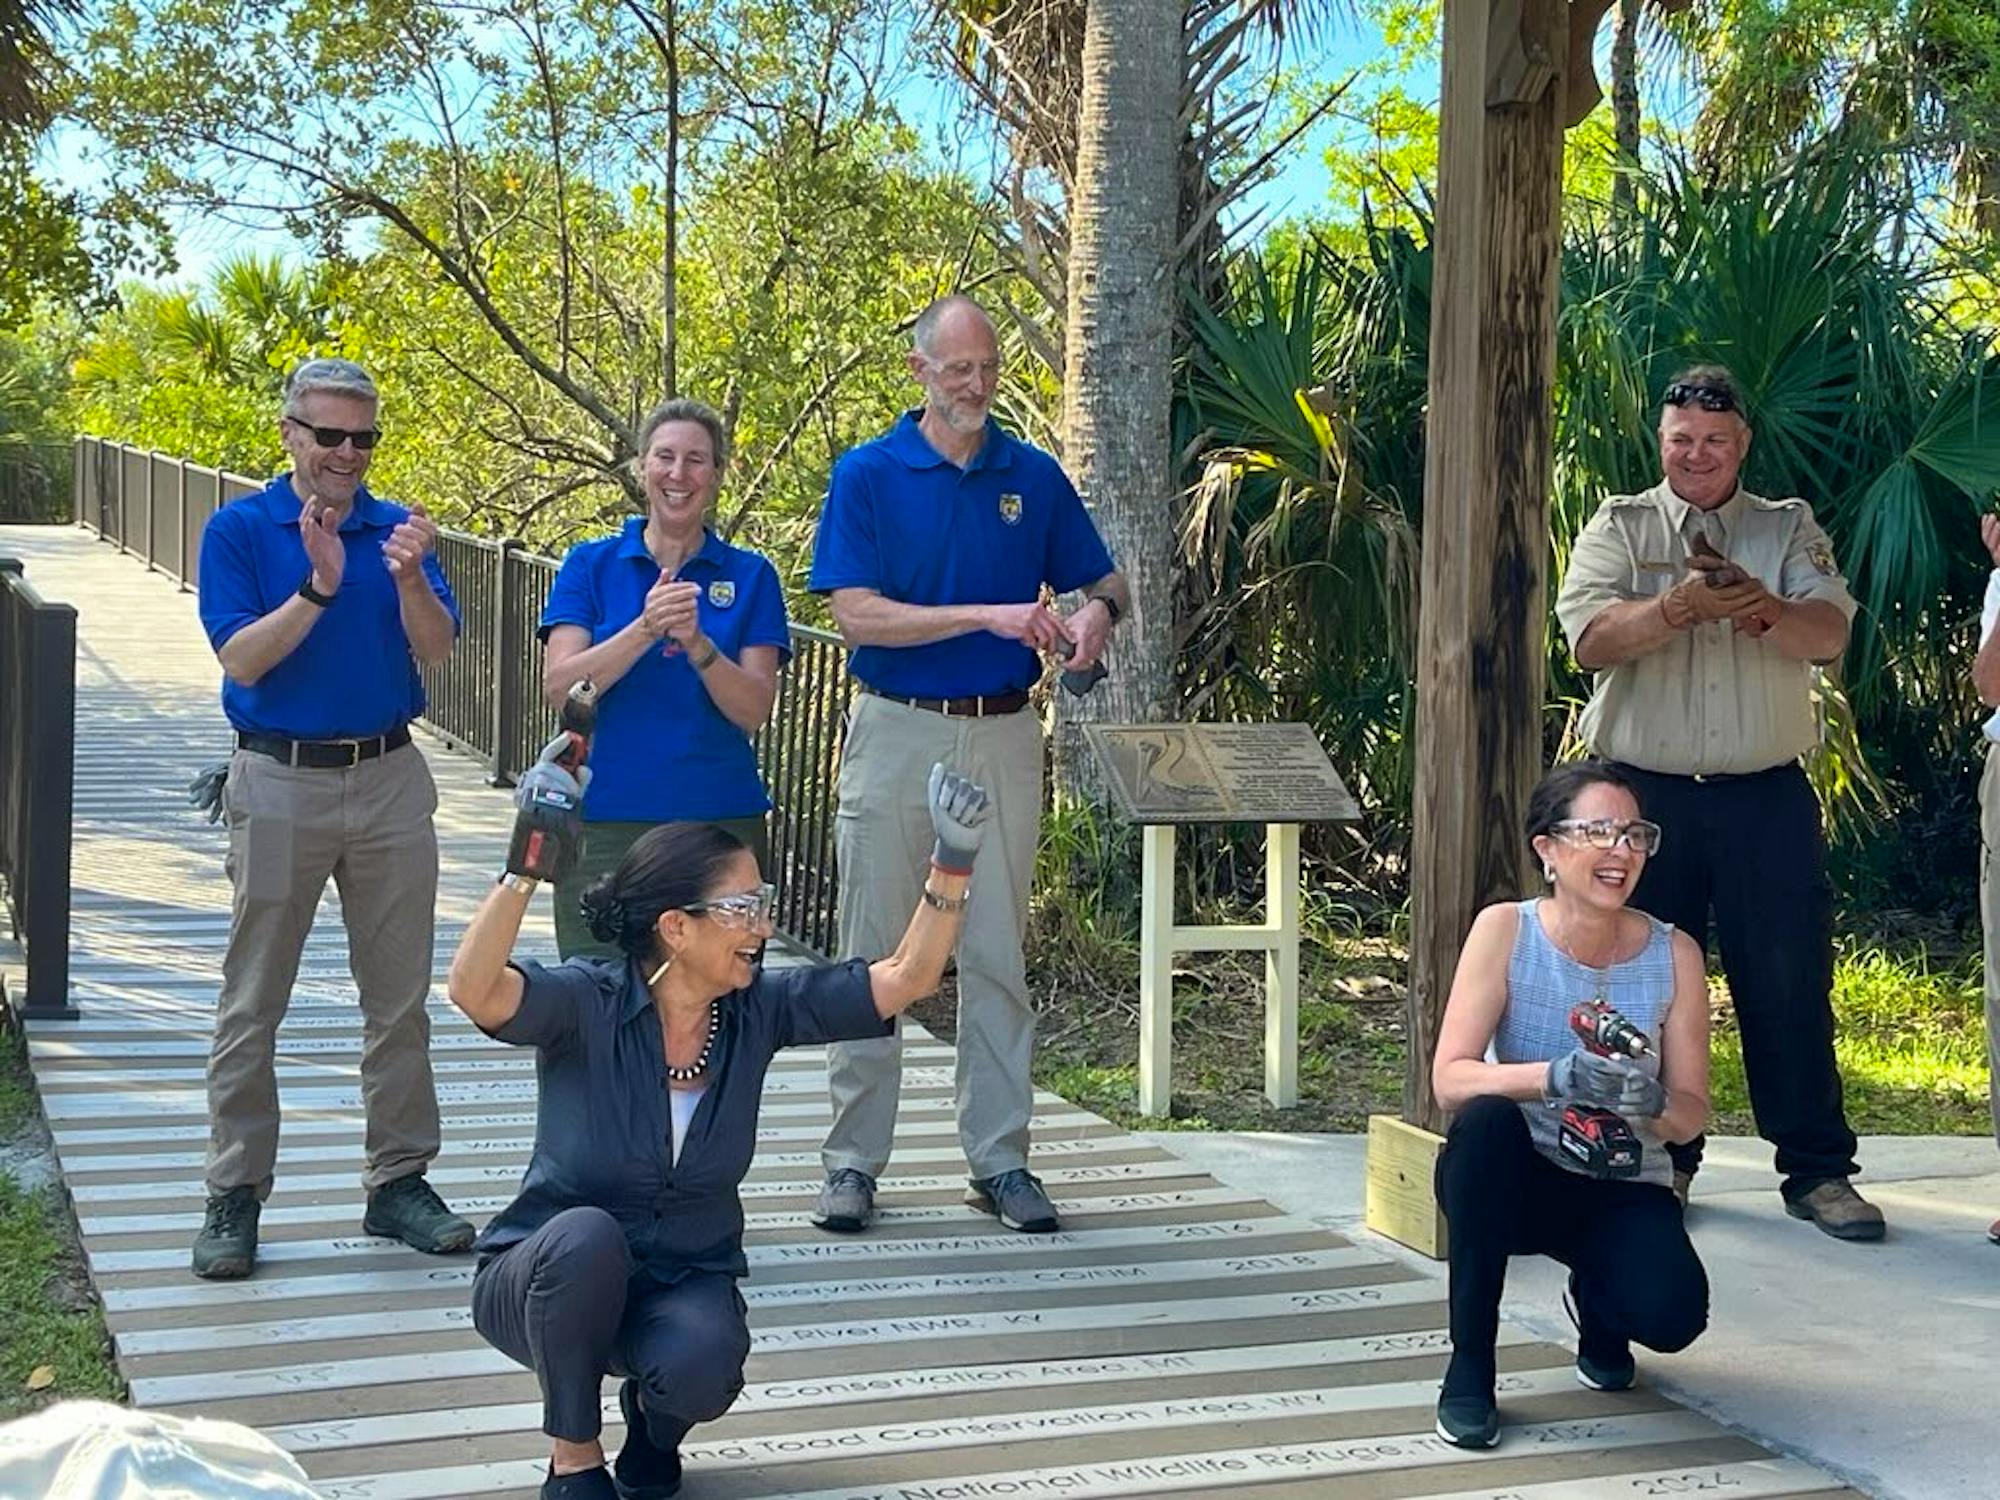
[(1179, 1338)]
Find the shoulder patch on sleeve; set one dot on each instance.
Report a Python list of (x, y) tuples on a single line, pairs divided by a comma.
[(1820, 555)]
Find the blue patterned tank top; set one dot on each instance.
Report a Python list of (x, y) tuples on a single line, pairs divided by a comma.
[(1544, 984)]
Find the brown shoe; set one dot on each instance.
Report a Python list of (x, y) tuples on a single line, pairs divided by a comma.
[(1839, 1211), (1683, 1182)]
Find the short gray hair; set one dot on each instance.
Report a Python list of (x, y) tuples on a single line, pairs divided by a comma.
[(685, 409), (924, 332), (335, 377)]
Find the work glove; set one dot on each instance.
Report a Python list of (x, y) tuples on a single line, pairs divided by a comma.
[(959, 810), (205, 791), (1582, 1077), (1643, 1096), (548, 829)]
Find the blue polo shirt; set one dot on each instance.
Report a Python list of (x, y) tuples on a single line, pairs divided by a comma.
[(353, 675), (602, 1134), (663, 751), (902, 519)]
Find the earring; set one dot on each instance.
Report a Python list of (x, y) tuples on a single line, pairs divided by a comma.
[(654, 977), (1548, 872)]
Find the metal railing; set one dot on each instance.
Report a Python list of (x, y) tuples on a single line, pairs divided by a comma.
[(37, 731), (34, 482), (485, 698)]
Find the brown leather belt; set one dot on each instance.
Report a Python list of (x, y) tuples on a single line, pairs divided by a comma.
[(322, 755), (960, 708)]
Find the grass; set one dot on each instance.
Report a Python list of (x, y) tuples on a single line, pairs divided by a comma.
[(53, 1343)]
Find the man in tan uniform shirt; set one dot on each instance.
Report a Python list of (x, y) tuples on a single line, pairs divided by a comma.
[(1702, 609)]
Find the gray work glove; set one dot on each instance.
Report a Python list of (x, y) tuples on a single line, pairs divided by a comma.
[(548, 829), (1582, 1077), (959, 810), (205, 791), (1644, 1097)]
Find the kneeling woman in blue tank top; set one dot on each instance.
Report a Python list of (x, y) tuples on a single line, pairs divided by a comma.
[(1555, 1149)]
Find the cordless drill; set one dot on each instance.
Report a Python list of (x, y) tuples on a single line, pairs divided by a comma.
[(1600, 1139), (547, 828)]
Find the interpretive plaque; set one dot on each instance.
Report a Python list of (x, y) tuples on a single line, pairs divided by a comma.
[(1221, 773)]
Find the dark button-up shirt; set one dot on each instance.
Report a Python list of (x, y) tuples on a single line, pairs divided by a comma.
[(602, 1123)]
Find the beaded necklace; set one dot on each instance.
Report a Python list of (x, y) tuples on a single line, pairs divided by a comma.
[(700, 1065)]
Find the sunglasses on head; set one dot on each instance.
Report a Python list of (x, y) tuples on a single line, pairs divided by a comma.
[(333, 437), (1707, 397), (747, 909)]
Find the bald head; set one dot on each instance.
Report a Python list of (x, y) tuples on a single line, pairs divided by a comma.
[(957, 361), (952, 314)]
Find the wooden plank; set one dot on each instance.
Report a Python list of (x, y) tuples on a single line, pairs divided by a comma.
[(1401, 1200)]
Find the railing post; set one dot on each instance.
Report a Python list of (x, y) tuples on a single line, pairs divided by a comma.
[(51, 739), (510, 661), (180, 522), (77, 448)]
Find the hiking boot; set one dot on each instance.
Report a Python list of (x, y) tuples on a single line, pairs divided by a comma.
[(1838, 1210), (1602, 1364), (847, 1202), (410, 1210), (584, 1484), (226, 1248), (645, 1470), (1468, 1421), (1017, 1198), (1683, 1185)]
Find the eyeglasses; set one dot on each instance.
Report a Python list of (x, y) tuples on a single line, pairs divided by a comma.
[(333, 437), (961, 369), (1707, 397), (1607, 833), (746, 909)]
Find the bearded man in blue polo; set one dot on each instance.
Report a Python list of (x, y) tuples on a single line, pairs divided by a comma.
[(935, 545)]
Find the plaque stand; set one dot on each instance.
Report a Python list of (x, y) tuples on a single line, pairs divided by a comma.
[(1160, 939)]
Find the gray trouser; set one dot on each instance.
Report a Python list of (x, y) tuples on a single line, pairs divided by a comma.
[(1989, 916), (882, 840), (604, 848), (567, 1303), (289, 829)]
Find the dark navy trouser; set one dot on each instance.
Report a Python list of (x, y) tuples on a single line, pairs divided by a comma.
[(567, 1303), (1749, 849)]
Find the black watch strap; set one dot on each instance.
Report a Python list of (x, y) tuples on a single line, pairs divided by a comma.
[(313, 596), (1110, 607)]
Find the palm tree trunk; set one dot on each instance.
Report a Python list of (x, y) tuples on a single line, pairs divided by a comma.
[(1118, 355), (1625, 119)]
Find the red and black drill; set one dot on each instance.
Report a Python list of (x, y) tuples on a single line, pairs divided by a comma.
[(1601, 1140), (548, 828)]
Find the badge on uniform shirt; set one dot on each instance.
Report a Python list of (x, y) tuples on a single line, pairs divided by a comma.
[(1010, 508), (722, 593), (1821, 556)]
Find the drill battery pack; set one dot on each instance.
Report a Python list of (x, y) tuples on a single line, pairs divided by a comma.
[(1600, 1141)]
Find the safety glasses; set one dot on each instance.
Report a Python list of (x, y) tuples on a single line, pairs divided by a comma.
[(333, 437), (1707, 397), (746, 909), (1608, 833)]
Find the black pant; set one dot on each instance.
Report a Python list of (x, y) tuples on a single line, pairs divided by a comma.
[(1749, 848), (566, 1303), (1637, 1278)]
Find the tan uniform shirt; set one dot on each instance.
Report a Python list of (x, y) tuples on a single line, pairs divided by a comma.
[(1712, 700)]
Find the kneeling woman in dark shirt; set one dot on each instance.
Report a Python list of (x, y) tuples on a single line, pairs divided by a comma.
[(622, 1252)]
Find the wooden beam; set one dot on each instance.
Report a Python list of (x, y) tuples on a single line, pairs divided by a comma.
[(1486, 484)]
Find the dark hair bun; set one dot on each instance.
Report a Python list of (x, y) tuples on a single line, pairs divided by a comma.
[(602, 911)]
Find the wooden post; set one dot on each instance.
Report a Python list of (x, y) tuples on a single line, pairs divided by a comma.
[(1281, 964), (1486, 482)]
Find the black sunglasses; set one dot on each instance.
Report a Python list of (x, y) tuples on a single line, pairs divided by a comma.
[(1707, 397), (333, 437)]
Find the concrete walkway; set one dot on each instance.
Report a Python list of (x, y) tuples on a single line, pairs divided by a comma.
[(1871, 1360), (1181, 1336)]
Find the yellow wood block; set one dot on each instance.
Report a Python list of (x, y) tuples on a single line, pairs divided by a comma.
[(1401, 1200)]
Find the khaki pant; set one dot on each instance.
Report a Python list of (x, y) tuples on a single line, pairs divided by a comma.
[(882, 840), (1989, 917), (289, 829), (604, 848)]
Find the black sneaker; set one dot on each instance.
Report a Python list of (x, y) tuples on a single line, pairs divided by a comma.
[(1468, 1421), (1602, 1364), (409, 1210), (226, 1248), (645, 1470), (847, 1203), (584, 1484), (1016, 1199)]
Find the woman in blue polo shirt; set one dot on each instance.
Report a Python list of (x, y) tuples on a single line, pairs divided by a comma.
[(684, 636)]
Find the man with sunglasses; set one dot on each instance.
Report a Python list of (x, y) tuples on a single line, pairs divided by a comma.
[(321, 601), (1703, 609)]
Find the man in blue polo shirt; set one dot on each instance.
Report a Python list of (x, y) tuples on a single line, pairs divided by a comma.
[(935, 544), (320, 600)]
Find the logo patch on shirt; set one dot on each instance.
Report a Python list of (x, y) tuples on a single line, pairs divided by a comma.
[(1010, 508), (1821, 556), (722, 593)]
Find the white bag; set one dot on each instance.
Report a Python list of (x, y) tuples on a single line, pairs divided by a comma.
[(92, 1450)]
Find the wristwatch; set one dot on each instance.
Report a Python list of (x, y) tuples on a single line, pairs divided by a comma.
[(312, 595), (945, 903), (1110, 607), (515, 881)]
